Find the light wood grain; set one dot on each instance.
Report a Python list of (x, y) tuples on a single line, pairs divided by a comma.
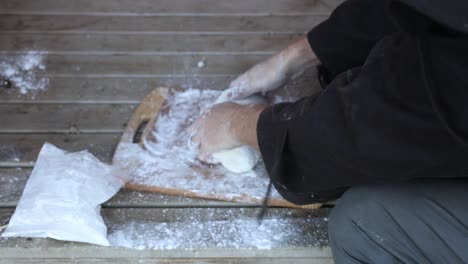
[(67, 117), (26, 147)]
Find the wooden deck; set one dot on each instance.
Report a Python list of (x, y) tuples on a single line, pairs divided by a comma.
[(102, 57)]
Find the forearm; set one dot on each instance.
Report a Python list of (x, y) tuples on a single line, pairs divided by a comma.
[(296, 58)]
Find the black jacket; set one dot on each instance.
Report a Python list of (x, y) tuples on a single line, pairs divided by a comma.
[(397, 108)]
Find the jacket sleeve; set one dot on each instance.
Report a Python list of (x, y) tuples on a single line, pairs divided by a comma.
[(344, 40), (372, 124)]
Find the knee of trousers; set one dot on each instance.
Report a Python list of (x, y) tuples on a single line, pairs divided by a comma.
[(358, 212)]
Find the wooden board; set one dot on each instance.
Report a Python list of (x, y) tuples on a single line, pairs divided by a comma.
[(147, 113)]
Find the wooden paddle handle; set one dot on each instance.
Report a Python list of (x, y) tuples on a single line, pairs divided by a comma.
[(144, 117)]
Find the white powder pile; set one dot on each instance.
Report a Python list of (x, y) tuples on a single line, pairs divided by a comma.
[(220, 228), (23, 71), (170, 161)]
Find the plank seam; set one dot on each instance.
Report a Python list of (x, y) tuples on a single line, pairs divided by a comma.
[(108, 32), (119, 75), (61, 131), (183, 76), (213, 33), (137, 53), (157, 14), (81, 102)]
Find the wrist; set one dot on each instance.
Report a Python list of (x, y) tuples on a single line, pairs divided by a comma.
[(245, 124)]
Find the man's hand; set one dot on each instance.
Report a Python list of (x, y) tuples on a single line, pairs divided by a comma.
[(274, 72), (226, 126)]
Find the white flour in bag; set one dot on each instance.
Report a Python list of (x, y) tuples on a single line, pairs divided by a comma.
[(62, 198), (170, 161)]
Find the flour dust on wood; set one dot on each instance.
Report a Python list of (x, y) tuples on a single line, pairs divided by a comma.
[(24, 72), (198, 228)]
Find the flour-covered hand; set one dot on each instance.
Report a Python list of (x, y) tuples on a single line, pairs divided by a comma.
[(263, 77), (275, 71), (213, 129), (226, 126)]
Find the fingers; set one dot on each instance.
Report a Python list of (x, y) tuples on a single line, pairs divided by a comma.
[(195, 144), (196, 133), (212, 130), (206, 157)]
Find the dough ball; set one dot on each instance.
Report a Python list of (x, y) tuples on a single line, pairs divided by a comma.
[(238, 160)]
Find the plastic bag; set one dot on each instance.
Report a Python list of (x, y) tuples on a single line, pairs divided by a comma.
[(62, 198)]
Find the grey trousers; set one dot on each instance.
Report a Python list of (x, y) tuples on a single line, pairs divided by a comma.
[(424, 221)]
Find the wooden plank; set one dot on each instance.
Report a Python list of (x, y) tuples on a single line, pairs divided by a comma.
[(165, 6), (113, 88), (12, 182), (153, 24), (145, 43), (145, 65), (76, 117), (64, 117), (213, 232), (133, 89), (248, 260), (26, 147)]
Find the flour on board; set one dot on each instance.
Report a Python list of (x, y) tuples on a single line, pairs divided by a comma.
[(170, 161), (24, 70)]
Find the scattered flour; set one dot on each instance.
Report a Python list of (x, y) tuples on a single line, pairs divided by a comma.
[(170, 161), (23, 71), (10, 153), (226, 229)]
